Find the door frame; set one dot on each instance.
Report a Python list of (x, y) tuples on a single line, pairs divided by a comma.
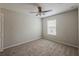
[(2, 32)]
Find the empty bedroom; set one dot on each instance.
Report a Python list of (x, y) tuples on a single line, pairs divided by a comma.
[(39, 29)]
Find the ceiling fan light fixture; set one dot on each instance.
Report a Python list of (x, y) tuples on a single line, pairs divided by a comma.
[(40, 12)]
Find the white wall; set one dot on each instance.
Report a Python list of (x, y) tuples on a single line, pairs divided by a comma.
[(20, 28), (78, 30), (67, 28)]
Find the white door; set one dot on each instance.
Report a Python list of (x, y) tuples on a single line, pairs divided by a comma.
[(1, 32)]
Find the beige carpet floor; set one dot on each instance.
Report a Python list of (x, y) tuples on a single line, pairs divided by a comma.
[(41, 47)]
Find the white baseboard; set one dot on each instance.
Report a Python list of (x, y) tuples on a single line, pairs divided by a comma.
[(64, 43), (37, 39), (21, 43)]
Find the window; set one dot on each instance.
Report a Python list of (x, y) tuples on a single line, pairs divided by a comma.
[(51, 27)]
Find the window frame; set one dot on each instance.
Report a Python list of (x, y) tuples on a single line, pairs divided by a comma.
[(49, 25)]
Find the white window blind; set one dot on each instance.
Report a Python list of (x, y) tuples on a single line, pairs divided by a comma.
[(51, 27)]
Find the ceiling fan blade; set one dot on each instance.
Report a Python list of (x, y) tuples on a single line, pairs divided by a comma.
[(46, 11), (33, 12)]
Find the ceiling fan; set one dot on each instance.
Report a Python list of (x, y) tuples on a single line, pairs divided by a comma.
[(40, 11)]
